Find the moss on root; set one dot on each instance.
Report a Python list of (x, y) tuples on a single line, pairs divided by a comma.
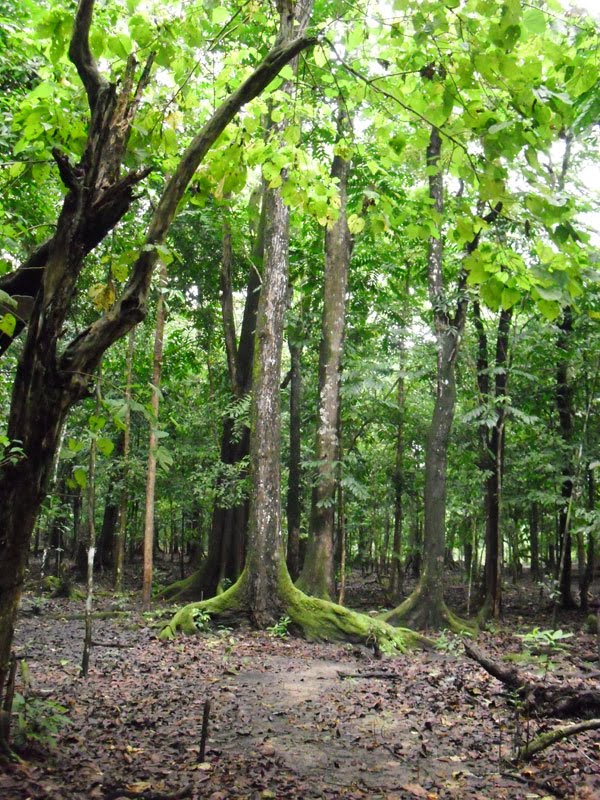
[(418, 612), (315, 619), (183, 589), (229, 603)]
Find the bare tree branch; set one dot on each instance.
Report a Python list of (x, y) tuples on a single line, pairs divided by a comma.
[(81, 55)]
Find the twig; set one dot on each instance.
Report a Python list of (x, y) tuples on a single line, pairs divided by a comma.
[(113, 794), (204, 733), (110, 644)]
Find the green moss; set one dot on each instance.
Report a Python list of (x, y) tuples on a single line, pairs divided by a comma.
[(184, 620), (417, 612), (316, 619), (180, 589)]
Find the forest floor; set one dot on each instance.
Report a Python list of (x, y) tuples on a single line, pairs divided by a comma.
[(288, 718)]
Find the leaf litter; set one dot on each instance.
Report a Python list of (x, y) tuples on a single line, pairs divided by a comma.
[(288, 719)]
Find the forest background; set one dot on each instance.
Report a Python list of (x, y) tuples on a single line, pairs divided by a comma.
[(403, 201)]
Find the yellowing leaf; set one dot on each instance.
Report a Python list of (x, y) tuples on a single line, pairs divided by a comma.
[(102, 295), (355, 224)]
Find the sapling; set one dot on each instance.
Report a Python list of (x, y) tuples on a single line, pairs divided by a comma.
[(549, 641)]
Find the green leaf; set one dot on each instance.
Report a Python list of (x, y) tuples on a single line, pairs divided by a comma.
[(105, 446), (121, 45), (549, 309), (220, 15), (509, 297), (96, 423), (80, 476), (8, 324), (534, 20)]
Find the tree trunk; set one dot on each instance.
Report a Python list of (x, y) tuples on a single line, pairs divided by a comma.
[(227, 535), (317, 577), (119, 555), (586, 565), (398, 478), (534, 540), (106, 541), (425, 607), (152, 441), (90, 545), (294, 493), (493, 457), (564, 404)]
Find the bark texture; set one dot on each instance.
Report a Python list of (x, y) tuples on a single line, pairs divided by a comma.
[(157, 360), (492, 440), (317, 576)]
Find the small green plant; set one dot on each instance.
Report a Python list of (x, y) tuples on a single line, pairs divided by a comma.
[(36, 720), (548, 643), (201, 619), (447, 642), (280, 629)]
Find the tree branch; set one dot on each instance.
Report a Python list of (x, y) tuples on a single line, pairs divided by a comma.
[(84, 352), (549, 738), (81, 55)]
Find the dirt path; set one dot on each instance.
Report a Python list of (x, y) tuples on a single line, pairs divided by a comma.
[(286, 722)]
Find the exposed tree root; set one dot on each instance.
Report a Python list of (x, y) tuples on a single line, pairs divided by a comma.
[(420, 613), (546, 699), (185, 589), (317, 620), (549, 738)]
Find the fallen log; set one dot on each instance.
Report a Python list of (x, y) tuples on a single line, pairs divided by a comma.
[(548, 738), (547, 699)]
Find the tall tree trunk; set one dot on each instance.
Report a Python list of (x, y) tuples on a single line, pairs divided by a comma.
[(398, 477), (493, 444), (294, 493), (265, 563), (152, 440), (90, 544), (119, 555), (534, 540), (587, 559), (564, 404), (105, 550), (317, 576), (425, 607), (227, 534)]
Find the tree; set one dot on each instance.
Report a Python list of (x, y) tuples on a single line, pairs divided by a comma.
[(264, 591), (317, 576), (49, 380), (152, 444), (493, 453)]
